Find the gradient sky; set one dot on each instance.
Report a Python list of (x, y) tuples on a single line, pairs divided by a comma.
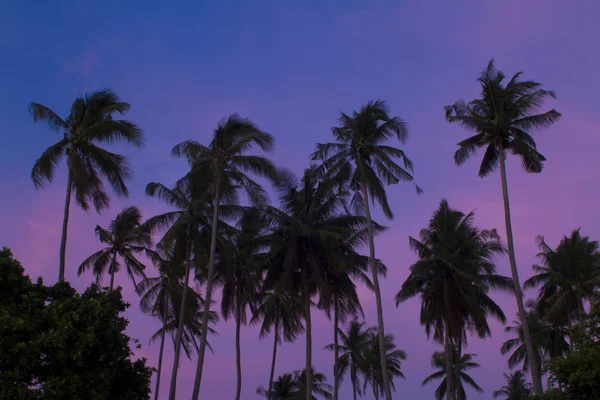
[(291, 66)]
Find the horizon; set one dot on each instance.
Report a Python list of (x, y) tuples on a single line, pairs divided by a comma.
[(291, 69)]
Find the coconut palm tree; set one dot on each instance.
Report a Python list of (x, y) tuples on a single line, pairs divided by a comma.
[(277, 311), (453, 277), (344, 298), (89, 125), (516, 388), (354, 344), (124, 238), (371, 364), (284, 388), (549, 341), (319, 385), (292, 387), (569, 276), (226, 163), (239, 272), (161, 297), (309, 242), (361, 155), (461, 364), (502, 119), (188, 231)]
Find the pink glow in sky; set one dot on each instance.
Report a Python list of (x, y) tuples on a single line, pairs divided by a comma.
[(291, 67)]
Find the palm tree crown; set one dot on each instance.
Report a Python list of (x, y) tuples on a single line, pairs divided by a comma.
[(569, 276), (516, 388), (460, 366), (502, 118), (125, 238)]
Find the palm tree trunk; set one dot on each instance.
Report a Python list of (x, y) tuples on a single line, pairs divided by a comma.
[(536, 377), (272, 374), (457, 369), (449, 376), (179, 334), (308, 340), (353, 378), (160, 352), (112, 272), (336, 350), (238, 355), (209, 279), (380, 330), (63, 239)]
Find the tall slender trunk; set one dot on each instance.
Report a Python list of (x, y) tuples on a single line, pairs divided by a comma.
[(160, 352), (336, 350), (209, 280), (112, 271), (308, 367), (272, 374), (449, 375), (536, 376), (380, 330), (238, 353), (353, 378), (179, 334), (457, 369), (63, 239)]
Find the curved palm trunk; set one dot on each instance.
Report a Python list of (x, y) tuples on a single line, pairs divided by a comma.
[(536, 377), (160, 352), (380, 331), (308, 341), (272, 374), (112, 272), (238, 355), (336, 350), (209, 280), (179, 334), (63, 239)]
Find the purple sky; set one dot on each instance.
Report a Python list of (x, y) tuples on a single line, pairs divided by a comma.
[(291, 67)]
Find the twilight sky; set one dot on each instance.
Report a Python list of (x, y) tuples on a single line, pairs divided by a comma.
[(291, 66)]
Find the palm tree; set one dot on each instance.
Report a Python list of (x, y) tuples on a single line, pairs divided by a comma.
[(516, 388), (124, 238), (360, 155), (292, 387), (239, 271), (311, 241), (161, 297), (319, 385), (501, 118), (453, 277), (88, 125), (461, 365), (371, 364), (569, 276), (187, 230), (225, 161), (354, 344), (548, 342), (284, 388), (277, 311)]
